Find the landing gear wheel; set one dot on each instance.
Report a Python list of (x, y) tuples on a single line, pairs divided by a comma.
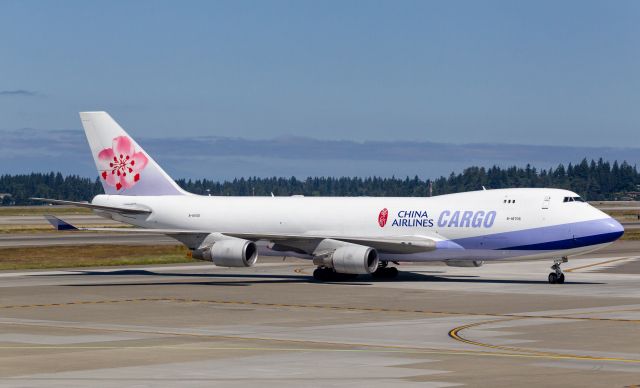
[(557, 277), (385, 273), (392, 272), (322, 274), (329, 275)]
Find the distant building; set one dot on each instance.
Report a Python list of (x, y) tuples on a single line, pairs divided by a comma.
[(628, 196), (6, 199)]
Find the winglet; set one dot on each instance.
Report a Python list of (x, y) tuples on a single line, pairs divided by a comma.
[(59, 224)]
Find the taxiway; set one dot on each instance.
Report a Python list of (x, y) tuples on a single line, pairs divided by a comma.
[(272, 325)]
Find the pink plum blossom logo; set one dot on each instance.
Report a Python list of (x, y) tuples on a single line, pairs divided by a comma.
[(121, 164), (382, 217)]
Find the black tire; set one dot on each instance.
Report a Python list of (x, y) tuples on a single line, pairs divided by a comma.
[(321, 274), (329, 275), (553, 278), (561, 279), (385, 273), (378, 274), (345, 276), (392, 273)]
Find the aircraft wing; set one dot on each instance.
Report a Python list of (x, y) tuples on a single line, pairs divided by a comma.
[(192, 238), (115, 209), (395, 244)]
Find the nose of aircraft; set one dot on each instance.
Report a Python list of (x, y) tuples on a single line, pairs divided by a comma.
[(612, 229), (604, 229)]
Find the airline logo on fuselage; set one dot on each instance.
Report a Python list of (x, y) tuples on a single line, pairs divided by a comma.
[(446, 219), (382, 217)]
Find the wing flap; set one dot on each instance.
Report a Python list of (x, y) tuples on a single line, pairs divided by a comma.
[(395, 244)]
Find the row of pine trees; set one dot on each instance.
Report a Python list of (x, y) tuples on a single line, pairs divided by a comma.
[(594, 180)]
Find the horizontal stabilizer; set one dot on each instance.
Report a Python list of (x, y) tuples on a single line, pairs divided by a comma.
[(114, 209), (59, 224)]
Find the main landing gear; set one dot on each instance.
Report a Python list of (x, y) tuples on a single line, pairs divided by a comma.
[(557, 277), (384, 271), (325, 274)]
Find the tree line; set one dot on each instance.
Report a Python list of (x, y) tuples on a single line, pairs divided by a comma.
[(593, 180)]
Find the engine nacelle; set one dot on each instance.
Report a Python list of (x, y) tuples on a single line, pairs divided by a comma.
[(351, 259), (234, 253), (464, 263), (229, 253)]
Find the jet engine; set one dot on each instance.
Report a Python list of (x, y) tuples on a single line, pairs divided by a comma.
[(464, 263), (229, 253), (350, 259)]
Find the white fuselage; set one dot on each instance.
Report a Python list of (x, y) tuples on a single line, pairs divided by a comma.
[(480, 225)]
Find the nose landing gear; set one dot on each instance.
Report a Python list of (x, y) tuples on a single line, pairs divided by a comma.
[(557, 277)]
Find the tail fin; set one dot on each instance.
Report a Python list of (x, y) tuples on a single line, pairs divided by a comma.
[(124, 167)]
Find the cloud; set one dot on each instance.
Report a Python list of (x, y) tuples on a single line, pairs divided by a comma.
[(18, 92)]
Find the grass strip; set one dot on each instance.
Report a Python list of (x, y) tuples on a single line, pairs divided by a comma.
[(631, 235), (91, 256), (42, 210)]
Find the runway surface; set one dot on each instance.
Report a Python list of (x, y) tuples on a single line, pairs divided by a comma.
[(499, 325)]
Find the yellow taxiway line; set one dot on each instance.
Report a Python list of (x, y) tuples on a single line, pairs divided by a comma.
[(597, 264)]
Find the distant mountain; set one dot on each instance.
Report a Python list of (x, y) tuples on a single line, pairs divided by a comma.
[(219, 158)]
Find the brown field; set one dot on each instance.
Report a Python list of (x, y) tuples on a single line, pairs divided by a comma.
[(632, 234), (90, 256)]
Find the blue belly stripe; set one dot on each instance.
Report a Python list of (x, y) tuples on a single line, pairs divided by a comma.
[(556, 237), (569, 243)]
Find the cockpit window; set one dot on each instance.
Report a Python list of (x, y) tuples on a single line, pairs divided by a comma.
[(573, 199)]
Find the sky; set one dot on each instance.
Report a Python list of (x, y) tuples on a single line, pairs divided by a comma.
[(558, 73)]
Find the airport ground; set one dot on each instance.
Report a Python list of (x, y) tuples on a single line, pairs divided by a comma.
[(500, 325)]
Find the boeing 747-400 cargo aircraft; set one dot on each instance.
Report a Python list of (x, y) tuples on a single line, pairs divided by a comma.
[(344, 237)]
